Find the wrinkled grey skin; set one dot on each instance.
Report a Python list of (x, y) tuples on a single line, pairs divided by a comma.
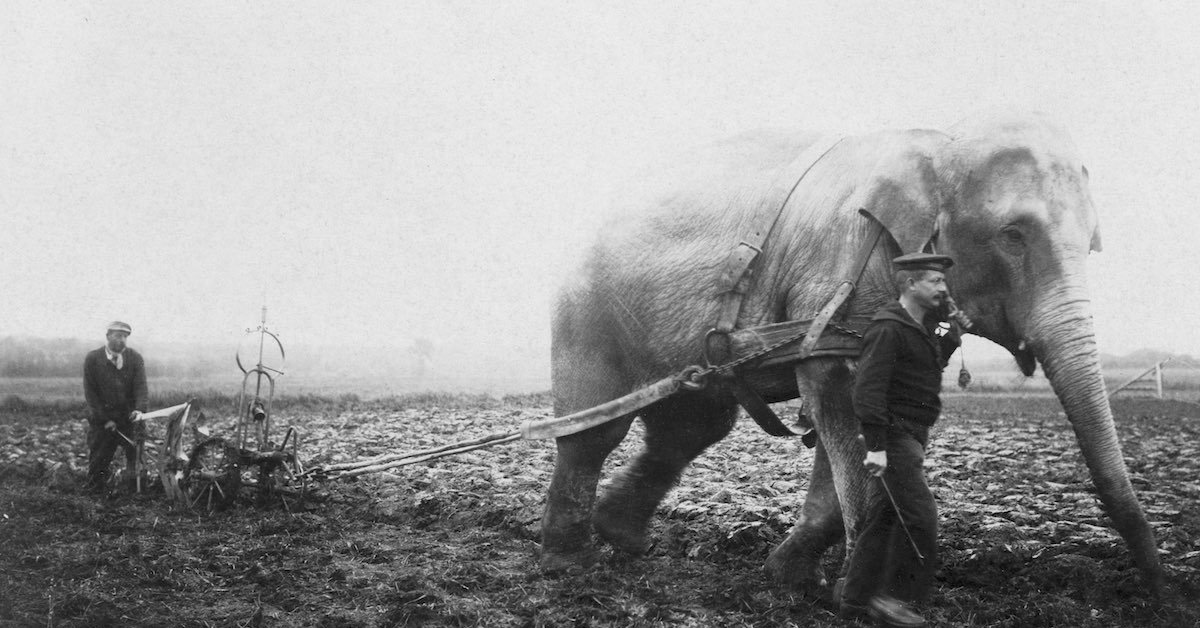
[(1007, 197)]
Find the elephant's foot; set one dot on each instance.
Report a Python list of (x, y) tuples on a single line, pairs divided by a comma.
[(791, 566), (619, 531), (567, 541), (552, 562)]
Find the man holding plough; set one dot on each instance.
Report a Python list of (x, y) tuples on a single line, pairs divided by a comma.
[(114, 384)]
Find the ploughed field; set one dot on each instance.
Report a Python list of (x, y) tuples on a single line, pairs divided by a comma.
[(453, 542)]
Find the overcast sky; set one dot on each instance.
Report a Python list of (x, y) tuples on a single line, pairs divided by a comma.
[(375, 172)]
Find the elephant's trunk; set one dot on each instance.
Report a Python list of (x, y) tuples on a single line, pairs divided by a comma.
[(1063, 338)]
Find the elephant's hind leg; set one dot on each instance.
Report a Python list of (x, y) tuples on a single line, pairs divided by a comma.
[(677, 431), (566, 523)]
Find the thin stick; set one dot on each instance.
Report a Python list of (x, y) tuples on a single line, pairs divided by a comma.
[(126, 438), (900, 518)]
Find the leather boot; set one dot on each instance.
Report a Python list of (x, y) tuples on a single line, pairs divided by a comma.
[(889, 611), (848, 609)]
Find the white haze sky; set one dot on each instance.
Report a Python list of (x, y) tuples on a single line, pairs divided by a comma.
[(379, 171)]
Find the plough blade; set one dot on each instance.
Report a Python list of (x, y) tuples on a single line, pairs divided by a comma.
[(601, 414)]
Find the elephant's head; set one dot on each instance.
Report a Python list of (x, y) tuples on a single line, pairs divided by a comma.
[(1018, 219)]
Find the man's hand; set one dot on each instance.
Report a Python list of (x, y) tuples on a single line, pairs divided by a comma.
[(957, 315), (962, 319), (135, 415), (876, 462), (111, 426)]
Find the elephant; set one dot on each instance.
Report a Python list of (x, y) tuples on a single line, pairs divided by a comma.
[(1003, 192)]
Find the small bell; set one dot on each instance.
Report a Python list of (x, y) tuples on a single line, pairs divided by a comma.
[(964, 378), (808, 433)]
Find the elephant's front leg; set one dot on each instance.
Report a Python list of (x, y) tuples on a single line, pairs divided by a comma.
[(838, 484), (796, 562)]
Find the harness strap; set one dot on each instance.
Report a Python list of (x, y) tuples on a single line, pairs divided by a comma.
[(758, 409), (844, 290), (749, 399), (734, 279), (734, 282)]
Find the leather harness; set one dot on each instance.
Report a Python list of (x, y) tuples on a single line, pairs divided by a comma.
[(735, 279), (767, 346)]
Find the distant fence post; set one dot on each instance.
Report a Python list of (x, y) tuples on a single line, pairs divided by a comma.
[(1140, 382)]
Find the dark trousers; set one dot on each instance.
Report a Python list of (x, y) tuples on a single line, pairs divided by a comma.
[(883, 561), (102, 444)]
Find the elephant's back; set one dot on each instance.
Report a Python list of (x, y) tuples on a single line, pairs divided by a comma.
[(653, 267), (709, 178), (687, 204), (651, 278)]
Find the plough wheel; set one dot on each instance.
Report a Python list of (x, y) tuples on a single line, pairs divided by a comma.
[(212, 477), (281, 481)]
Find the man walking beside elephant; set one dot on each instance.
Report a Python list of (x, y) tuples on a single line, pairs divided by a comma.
[(896, 400), (1005, 193)]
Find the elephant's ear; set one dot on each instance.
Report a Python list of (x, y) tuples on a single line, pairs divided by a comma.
[(908, 209)]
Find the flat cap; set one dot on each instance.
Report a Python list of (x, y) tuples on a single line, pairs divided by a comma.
[(119, 326), (923, 261)]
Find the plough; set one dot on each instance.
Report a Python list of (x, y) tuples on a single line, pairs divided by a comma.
[(210, 474)]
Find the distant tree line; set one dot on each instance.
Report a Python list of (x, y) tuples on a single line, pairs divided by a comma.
[(63, 357)]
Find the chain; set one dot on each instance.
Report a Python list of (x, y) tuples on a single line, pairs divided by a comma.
[(846, 330), (750, 357)]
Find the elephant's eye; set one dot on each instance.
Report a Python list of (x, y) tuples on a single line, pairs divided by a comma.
[(1011, 237)]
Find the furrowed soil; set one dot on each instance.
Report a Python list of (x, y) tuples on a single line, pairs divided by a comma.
[(454, 542)]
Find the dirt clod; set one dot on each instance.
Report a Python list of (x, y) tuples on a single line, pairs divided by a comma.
[(454, 543)]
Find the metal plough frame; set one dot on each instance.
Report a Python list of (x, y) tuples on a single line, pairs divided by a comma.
[(210, 475)]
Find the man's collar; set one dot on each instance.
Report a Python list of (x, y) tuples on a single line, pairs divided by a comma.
[(920, 320), (895, 311), (110, 353)]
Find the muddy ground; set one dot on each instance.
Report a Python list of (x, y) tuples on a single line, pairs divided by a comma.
[(454, 542)]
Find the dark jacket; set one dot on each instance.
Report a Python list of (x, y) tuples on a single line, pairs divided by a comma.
[(900, 372), (113, 394)]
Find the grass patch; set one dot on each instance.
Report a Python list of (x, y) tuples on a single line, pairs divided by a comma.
[(220, 402)]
